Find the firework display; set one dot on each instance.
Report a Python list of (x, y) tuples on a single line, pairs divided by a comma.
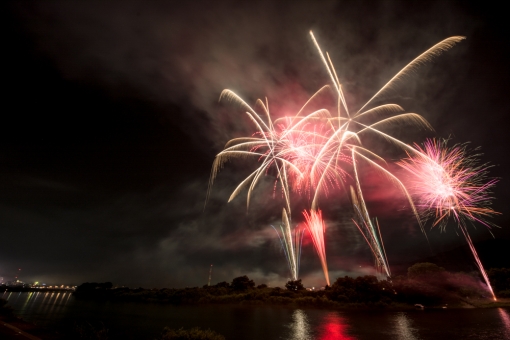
[(312, 153)]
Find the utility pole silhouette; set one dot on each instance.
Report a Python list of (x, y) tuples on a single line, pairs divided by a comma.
[(210, 274)]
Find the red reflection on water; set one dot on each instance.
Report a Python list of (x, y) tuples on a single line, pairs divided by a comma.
[(505, 318), (334, 328)]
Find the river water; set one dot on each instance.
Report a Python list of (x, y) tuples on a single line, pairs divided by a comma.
[(60, 310)]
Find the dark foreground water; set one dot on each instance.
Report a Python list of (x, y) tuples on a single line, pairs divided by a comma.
[(146, 321)]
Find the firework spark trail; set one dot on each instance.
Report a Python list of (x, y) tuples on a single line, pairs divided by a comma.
[(419, 61), (447, 183), (370, 234), (291, 240), (477, 259), (312, 153), (316, 227)]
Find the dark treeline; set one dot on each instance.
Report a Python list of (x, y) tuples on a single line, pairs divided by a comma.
[(425, 284)]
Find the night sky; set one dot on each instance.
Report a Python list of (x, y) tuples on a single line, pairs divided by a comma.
[(111, 121)]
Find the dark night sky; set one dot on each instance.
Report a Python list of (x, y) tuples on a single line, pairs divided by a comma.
[(111, 122)]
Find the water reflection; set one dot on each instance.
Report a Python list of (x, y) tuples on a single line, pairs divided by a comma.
[(46, 294), (403, 328), (47, 303), (334, 327), (50, 311), (63, 303), (145, 321), (300, 328), (28, 299), (506, 321)]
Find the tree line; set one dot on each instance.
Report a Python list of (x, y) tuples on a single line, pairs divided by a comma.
[(425, 283)]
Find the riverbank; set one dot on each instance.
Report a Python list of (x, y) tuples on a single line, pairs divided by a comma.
[(487, 303), (13, 328), (11, 332)]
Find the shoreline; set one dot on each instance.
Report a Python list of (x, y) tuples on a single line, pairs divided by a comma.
[(9, 331), (480, 303), (13, 327)]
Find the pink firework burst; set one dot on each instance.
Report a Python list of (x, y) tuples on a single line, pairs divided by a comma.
[(452, 184)]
